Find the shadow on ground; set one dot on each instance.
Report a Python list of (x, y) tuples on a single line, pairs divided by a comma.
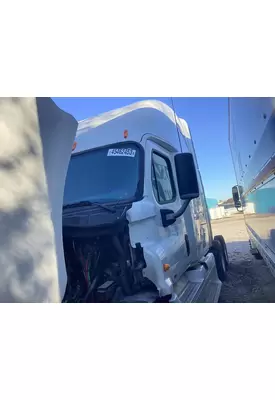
[(248, 280)]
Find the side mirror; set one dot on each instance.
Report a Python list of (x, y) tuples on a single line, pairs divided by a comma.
[(236, 194), (187, 184), (187, 176)]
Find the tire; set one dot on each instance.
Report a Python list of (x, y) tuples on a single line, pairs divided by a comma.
[(258, 256), (217, 250), (220, 239)]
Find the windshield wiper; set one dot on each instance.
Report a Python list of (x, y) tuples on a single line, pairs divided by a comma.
[(89, 203)]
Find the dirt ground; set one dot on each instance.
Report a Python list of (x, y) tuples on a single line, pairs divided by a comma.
[(248, 280)]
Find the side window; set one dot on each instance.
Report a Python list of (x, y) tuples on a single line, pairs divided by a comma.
[(162, 179)]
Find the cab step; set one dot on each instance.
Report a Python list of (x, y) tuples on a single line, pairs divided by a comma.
[(199, 285)]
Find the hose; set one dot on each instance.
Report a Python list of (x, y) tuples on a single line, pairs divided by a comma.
[(123, 266)]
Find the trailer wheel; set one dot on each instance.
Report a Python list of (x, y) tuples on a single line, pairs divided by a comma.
[(217, 250), (220, 239)]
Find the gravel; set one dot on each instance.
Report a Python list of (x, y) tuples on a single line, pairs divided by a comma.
[(248, 280)]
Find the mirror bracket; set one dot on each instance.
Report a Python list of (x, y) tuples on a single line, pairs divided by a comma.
[(169, 216), (179, 213)]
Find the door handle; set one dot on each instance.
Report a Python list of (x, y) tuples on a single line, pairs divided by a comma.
[(187, 244)]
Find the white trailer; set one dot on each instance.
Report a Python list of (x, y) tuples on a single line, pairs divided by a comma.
[(136, 226), (252, 143)]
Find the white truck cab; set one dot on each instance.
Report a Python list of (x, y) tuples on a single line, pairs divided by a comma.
[(136, 226)]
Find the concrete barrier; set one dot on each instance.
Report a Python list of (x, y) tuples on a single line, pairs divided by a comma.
[(36, 141)]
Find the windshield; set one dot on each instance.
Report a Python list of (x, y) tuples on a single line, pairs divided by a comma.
[(103, 175)]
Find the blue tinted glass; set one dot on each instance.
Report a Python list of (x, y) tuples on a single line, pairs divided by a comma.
[(103, 175)]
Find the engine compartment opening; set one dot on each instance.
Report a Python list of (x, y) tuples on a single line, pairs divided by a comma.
[(103, 267)]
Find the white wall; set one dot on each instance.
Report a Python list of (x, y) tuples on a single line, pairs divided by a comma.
[(249, 208), (230, 211), (216, 212)]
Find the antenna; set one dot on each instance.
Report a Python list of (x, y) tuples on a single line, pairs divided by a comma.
[(177, 127)]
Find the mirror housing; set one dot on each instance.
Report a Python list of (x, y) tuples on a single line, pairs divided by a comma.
[(187, 176), (188, 186), (237, 194)]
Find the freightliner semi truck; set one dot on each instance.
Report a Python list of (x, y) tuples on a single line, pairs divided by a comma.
[(136, 226)]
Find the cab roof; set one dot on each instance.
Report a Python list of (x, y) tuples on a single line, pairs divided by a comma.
[(148, 116)]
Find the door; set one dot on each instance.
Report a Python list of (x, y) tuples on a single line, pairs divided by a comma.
[(161, 189)]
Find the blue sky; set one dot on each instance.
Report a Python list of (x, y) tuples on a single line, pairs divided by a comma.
[(207, 120)]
